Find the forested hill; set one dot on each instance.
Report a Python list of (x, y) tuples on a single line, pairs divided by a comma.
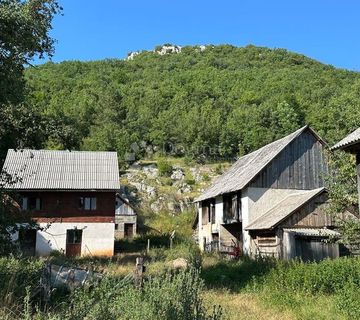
[(219, 102)]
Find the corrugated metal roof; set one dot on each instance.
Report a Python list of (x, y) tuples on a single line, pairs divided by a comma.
[(247, 167), (62, 170), (283, 209), (350, 139), (126, 201), (312, 232)]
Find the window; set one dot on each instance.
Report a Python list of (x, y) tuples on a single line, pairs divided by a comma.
[(205, 213), (212, 212), (87, 203), (31, 203), (208, 211), (266, 238), (116, 226), (232, 206)]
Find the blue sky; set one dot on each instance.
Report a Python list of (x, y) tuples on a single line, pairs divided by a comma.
[(328, 31)]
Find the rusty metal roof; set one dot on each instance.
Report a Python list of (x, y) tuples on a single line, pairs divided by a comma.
[(247, 167), (283, 209), (349, 140), (62, 170)]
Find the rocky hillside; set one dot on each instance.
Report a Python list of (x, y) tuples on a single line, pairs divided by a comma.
[(167, 185)]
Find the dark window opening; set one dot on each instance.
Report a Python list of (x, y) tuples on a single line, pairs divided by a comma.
[(212, 212), (116, 226), (73, 236), (31, 203), (232, 206)]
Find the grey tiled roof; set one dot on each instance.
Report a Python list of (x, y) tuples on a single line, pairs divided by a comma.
[(350, 139), (62, 170), (247, 167), (283, 209)]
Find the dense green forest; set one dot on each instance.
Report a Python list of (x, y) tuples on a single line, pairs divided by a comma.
[(219, 102)]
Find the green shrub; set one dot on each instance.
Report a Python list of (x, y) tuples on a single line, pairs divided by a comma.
[(169, 296), (164, 167), (15, 276), (347, 300), (206, 177), (287, 283), (139, 243), (190, 181), (326, 277), (219, 169)]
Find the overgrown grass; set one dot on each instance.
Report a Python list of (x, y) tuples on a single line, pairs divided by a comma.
[(325, 290), (15, 276), (263, 288), (166, 223), (167, 295), (293, 284)]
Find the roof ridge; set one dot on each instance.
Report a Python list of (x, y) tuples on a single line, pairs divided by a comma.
[(252, 155), (65, 150), (298, 131)]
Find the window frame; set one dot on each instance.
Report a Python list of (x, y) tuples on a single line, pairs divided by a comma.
[(232, 206), (88, 203), (31, 203)]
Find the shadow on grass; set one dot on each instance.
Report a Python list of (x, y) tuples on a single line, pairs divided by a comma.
[(140, 243), (234, 275)]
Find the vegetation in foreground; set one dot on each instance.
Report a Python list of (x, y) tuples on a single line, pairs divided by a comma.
[(220, 289)]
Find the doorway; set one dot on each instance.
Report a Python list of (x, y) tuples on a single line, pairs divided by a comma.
[(128, 230), (73, 242), (27, 240)]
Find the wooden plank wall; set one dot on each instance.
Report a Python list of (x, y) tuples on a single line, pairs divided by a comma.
[(313, 214), (301, 165)]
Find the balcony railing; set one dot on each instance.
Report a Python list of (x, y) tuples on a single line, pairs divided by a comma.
[(217, 246)]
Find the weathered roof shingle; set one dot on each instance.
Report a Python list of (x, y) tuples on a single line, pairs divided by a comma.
[(62, 170), (283, 209), (349, 140)]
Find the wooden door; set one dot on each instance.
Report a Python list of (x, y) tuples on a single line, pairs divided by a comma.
[(316, 249), (129, 230), (73, 242)]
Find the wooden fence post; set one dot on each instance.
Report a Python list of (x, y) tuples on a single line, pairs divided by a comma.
[(138, 273), (45, 283)]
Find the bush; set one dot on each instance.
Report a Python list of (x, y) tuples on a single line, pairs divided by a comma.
[(190, 181), (15, 276), (347, 300), (169, 296), (186, 250), (164, 167), (206, 177)]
